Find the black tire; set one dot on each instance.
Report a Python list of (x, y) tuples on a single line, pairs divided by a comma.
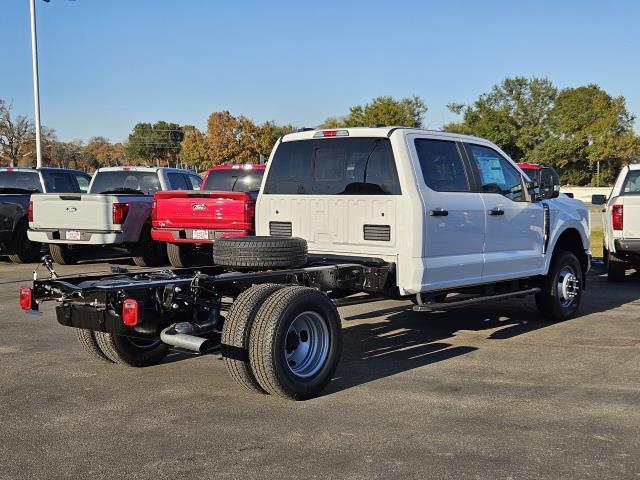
[(260, 252), (87, 340), (63, 255), (616, 268), (270, 341), (550, 301), (181, 256), (147, 252), (236, 332), (24, 250), (129, 351)]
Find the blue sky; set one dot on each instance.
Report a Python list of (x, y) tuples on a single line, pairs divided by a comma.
[(106, 65)]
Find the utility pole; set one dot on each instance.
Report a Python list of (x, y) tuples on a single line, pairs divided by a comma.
[(36, 85)]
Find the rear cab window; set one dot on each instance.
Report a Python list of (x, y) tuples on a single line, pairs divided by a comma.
[(245, 180), (126, 183), (442, 166), (19, 182), (59, 182), (177, 181), (333, 166), (632, 183)]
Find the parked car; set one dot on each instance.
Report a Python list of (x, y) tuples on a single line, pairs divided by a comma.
[(16, 187), (343, 216), (621, 221), (191, 221), (116, 212)]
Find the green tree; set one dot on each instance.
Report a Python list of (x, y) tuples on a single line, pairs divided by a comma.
[(588, 126), (386, 110), (159, 143), (514, 115)]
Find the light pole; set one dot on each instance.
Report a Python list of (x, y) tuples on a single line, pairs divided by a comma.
[(36, 85)]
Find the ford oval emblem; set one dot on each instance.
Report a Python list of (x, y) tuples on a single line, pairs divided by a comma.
[(199, 206), (71, 209)]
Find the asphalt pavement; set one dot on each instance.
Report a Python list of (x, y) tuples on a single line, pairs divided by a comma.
[(491, 392)]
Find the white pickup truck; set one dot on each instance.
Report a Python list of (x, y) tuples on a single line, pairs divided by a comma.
[(621, 221), (115, 213), (343, 216)]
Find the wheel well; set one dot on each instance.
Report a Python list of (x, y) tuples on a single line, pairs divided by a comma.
[(571, 241)]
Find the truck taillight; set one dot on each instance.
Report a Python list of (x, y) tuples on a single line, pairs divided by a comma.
[(130, 312), (30, 211), (154, 210), (249, 212), (617, 217), (26, 296), (120, 211)]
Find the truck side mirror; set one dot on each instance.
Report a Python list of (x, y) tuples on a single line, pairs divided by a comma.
[(598, 199), (549, 183), (569, 194)]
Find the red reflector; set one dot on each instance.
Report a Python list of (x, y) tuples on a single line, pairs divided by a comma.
[(120, 211), (617, 217), (126, 169), (25, 298), (30, 211), (130, 312)]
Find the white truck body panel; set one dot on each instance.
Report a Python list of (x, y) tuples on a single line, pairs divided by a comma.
[(465, 247)]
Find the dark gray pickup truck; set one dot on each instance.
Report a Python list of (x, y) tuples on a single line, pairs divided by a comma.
[(16, 187)]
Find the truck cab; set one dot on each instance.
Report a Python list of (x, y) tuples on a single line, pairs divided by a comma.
[(448, 210)]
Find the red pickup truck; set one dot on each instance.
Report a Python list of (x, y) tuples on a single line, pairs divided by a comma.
[(190, 221)]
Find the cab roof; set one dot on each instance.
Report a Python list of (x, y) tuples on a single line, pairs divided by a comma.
[(385, 131)]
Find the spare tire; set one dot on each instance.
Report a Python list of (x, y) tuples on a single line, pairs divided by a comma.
[(260, 252)]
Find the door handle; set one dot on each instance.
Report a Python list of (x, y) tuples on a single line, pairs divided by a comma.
[(438, 212), (496, 211)]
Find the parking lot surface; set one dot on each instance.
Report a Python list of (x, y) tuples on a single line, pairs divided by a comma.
[(486, 392)]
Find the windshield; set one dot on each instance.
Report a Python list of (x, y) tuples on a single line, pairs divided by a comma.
[(126, 182), (234, 180), (334, 166), (16, 182)]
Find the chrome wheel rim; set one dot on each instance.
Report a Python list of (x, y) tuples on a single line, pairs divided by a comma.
[(306, 345), (568, 287), (143, 343)]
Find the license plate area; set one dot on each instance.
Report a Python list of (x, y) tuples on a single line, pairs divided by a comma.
[(72, 235), (200, 234)]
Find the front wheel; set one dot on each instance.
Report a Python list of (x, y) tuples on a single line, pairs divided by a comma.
[(561, 291), (295, 343)]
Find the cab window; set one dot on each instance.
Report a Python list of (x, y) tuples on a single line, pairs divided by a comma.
[(83, 182), (441, 165), (497, 175)]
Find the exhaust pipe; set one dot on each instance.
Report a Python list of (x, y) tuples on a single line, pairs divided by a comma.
[(178, 335)]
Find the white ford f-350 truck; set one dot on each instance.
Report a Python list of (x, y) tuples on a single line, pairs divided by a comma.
[(621, 221), (115, 212), (343, 216)]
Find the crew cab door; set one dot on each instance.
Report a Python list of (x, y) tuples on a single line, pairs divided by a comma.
[(514, 238), (453, 215)]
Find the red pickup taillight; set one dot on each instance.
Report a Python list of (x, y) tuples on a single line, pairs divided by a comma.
[(617, 217), (30, 211), (154, 210), (120, 211), (130, 312), (249, 212), (26, 297)]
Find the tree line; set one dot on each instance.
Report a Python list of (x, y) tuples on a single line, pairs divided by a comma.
[(574, 129)]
